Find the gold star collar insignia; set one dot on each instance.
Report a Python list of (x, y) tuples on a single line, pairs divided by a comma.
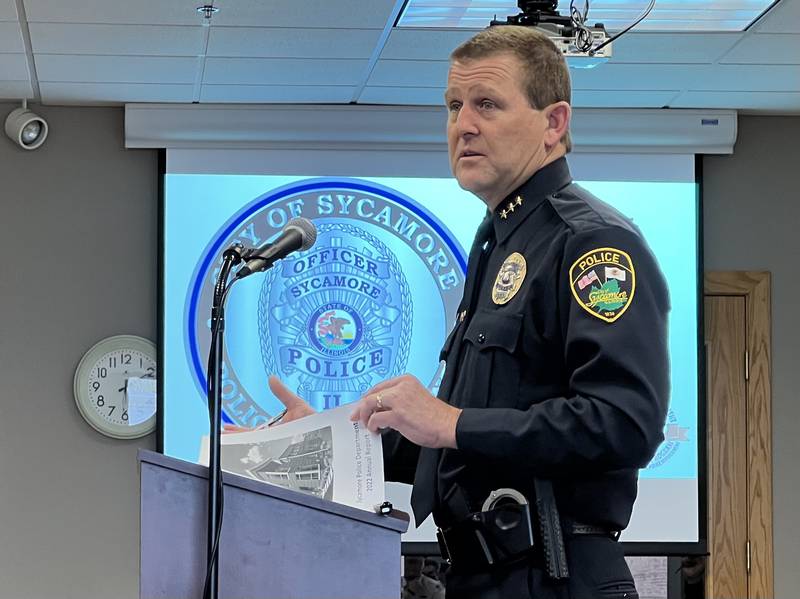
[(512, 205)]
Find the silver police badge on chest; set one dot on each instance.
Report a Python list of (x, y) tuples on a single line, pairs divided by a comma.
[(509, 279)]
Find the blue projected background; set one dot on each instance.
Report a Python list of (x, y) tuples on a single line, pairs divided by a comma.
[(416, 233)]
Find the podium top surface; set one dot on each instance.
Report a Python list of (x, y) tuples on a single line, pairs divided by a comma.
[(397, 521)]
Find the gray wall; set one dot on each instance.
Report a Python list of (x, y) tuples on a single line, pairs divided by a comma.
[(69, 497), (752, 222), (78, 246)]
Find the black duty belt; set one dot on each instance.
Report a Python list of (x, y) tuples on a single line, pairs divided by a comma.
[(502, 533)]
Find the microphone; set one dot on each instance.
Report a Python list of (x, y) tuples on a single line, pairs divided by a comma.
[(298, 234)]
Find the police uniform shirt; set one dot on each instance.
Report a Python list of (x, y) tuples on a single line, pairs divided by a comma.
[(558, 360)]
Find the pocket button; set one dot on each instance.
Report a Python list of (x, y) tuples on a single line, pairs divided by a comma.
[(481, 337)]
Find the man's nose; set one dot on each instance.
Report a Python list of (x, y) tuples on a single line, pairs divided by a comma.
[(466, 122)]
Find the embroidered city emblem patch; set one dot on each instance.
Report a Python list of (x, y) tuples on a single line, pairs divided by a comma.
[(509, 279), (603, 282)]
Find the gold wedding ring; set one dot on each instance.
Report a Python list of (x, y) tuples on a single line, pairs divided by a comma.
[(379, 401)]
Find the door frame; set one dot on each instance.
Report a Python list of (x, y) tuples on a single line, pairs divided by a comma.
[(755, 287)]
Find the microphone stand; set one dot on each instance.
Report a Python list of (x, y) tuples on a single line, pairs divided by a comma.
[(231, 257)]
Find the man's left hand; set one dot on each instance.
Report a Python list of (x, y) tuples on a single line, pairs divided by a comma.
[(405, 405)]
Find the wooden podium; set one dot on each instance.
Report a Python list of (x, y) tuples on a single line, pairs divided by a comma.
[(276, 543)]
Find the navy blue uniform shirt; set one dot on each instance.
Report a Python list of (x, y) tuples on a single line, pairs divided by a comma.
[(558, 358)]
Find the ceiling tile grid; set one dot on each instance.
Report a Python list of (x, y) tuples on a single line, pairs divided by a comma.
[(332, 52), (8, 11), (11, 38), (116, 93), (133, 40), (277, 71), (114, 69), (272, 42), (277, 94)]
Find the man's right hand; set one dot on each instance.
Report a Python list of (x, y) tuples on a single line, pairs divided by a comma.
[(296, 407)]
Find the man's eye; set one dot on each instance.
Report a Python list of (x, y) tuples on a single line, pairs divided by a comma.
[(487, 104), (454, 106)]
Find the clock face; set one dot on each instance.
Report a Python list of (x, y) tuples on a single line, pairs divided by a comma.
[(115, 386), (108, 390)]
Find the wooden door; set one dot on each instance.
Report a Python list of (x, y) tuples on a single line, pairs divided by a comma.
[(727, 447), (739, 441)]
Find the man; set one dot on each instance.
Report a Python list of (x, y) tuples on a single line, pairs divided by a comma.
[(556, 384)]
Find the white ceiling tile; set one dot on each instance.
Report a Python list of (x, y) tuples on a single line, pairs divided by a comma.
[(110, 93), (755, 100), (413, 96), (784, 17), (13, 67), (423, 44), (287, 71), (672, 47), (338, 14), (15, 90), (142, 12), (279, 94), (115, 69), (11, 37), (262, 42), (689, 76), (590, 98), (410, 73), (8, 10), (140, 40), (762, 48)]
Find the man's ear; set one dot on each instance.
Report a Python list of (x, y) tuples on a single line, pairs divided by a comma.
[(558, 116)]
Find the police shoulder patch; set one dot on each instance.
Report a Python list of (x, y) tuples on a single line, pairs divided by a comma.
[(603, 282), (509, 278)]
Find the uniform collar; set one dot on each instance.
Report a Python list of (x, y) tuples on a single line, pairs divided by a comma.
[(516, 207)]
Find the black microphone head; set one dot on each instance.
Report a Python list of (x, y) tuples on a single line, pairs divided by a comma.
[(307, 230)]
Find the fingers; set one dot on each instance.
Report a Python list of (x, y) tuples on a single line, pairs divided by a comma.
[(379, 421), (371, 403), (232, 428), (282, 392), (384, 385)]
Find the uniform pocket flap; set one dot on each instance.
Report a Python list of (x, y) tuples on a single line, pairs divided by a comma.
[(491, 329)]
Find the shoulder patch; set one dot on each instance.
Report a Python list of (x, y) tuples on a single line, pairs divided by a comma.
[(509, 279), (603, 282)]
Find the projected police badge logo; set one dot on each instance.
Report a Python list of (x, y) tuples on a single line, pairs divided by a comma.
[(384, 276)]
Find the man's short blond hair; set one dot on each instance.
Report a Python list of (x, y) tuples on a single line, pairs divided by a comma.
[(544, 76)]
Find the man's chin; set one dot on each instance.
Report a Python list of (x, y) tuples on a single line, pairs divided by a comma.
[(471, 184)]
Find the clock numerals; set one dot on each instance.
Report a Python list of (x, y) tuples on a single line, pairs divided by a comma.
[(107, 386)]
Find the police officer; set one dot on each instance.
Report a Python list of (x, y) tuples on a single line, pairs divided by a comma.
[(556, 383)]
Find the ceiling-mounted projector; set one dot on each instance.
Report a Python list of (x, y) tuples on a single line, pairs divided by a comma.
[(26, 128), (583, 46)]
